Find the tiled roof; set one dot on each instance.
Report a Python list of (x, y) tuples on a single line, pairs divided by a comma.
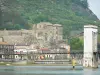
[(4, 43), (44, 49)]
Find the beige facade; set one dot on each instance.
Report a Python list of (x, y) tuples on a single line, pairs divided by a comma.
[(46, 32), (40, 35)]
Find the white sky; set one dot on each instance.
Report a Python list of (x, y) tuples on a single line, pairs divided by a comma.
[(94, 5)]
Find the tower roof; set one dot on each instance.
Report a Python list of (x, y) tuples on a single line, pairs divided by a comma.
[(90, 26)]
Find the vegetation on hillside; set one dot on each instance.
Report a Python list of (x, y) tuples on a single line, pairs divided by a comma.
[(76, 43), (72, 14)]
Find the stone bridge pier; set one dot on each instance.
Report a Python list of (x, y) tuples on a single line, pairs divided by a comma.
[(90, 58)]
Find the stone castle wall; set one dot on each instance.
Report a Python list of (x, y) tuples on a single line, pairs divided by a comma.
[(42, 33)]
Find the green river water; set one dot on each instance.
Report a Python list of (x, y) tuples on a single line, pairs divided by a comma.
[(47, 70)]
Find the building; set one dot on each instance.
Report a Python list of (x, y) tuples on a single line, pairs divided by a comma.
[(22, 51), (42, 34), (48, 33), (6, 51)]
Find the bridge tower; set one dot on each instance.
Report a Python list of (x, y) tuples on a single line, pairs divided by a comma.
[(90, 46)]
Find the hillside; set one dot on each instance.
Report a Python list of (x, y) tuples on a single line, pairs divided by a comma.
[(72, 14)]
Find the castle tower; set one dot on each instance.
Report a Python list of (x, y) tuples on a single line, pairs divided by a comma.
[(90, 46)]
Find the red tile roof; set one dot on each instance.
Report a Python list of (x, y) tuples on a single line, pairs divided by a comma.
[(44, 49), (4, 43)]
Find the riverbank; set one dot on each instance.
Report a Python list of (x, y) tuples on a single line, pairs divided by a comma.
[(41, 64), (31, 64)]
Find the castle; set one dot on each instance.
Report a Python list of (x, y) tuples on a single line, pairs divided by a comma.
[(40, 35)]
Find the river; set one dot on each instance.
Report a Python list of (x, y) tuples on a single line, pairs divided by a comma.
[(47, 70)]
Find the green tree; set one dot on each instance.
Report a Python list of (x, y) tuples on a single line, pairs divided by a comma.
[(72, 14), (76, 44), (6, 5)]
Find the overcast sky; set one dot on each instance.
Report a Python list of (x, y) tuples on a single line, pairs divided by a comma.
[(94, 5)]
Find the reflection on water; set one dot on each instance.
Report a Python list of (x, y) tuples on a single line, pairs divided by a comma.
[(46, 70), (92, 71)]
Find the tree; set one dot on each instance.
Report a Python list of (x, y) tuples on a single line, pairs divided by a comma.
[(83, 3), (17, 26), (6, 5), (76, 44)]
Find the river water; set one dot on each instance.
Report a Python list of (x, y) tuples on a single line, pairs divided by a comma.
[(47, 70)]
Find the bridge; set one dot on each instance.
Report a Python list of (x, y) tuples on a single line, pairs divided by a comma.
[(90, 53)]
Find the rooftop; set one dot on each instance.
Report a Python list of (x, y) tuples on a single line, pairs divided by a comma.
[(58, 25), (90, 26), (3, 43)]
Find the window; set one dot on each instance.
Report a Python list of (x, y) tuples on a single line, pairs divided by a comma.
[(40, 34)]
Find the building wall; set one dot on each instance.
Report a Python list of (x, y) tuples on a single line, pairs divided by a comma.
[(6, 51), (42, 33)]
